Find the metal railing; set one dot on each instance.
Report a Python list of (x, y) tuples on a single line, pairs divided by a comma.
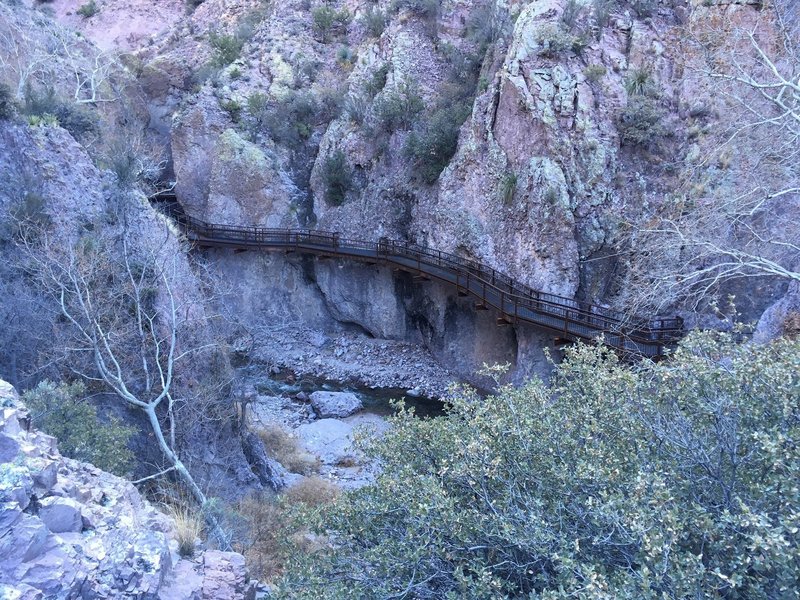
[(516, 302)]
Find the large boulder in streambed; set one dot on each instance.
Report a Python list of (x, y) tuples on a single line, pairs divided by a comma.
[(335, 405)]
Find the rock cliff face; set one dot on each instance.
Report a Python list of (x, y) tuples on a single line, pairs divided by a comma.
[(70, 530), (585, 121)]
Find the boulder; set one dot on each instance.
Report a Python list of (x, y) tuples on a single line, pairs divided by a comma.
[(61, 514), (225, 576), (335, 405), (9, 448)]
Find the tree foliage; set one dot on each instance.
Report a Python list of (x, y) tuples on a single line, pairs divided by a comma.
[(63, 412), (670, 480)]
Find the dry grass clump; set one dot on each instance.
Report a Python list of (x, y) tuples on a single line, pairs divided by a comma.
[(272, 532), (312, 491), (267, 531), (188, 527), (286, 449), (791, 325)]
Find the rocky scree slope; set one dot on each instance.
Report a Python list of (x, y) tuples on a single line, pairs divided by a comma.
[(70, 530)]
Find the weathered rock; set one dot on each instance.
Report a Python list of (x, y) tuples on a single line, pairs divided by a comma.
[(224, 576), (335, 405), (9, 448), (268, 470), (61, 514), (332, 440), (90, 534)]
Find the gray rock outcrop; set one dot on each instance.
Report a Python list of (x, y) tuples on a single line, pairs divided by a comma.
[(69, 530)]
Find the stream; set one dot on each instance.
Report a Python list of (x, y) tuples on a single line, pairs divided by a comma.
[(377, 401)]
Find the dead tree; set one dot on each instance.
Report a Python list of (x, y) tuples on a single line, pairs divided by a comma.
[(129, 324), (735, 216)]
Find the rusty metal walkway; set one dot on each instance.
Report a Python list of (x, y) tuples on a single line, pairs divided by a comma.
[(515, 303)]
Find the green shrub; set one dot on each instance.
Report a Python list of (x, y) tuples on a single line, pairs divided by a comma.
[(61, 411), (47, 107), (337, 178), (7, 104), (601, 11), (291, 120), (88, 10), (375, 21), (644, 8), (554, 41), (594, 73), (258, 111), (233, 108), (571, 14), (227, 48), (508, 186), (639, 82), (398, 109), (377, 81), (356, 108), (345, 56), (668, 480), (326, 21), (427, 9), (431, 145), (642, 122)]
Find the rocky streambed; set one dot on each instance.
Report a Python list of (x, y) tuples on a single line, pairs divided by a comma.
[(313, 404)]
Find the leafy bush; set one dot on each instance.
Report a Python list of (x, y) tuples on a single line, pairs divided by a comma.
[(554, 41), (7, 104), (375, 21), (571, 14), (291, 120), (639, 82), (644, 8), (257, 111), (61, 411), (431, 145), (642, 122), (326, 20), (668, 480), (337, 178), (233, 108), (377, 81), (397, 109), (594, 73), (227, 48), (49, 107), (602, 14), (428, 9), (88, 10)]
